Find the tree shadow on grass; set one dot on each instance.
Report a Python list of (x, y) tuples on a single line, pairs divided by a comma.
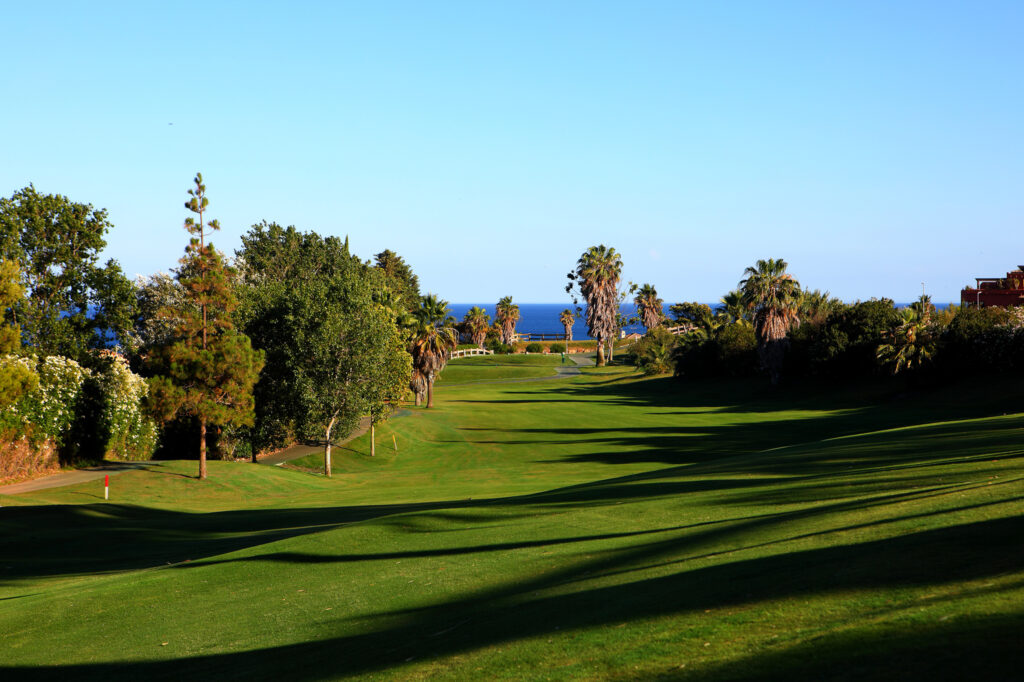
[(54, 540), (961, 553)]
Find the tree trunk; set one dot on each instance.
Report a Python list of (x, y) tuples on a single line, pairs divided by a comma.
[(327, 449), (419, 398), (611, 349), (600, 352), (373, 435), (202, 449), (430, 391)]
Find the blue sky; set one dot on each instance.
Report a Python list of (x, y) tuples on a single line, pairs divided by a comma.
[(873, 145)]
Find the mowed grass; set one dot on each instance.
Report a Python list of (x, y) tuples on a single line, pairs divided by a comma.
[(476, 368), (593, 527)]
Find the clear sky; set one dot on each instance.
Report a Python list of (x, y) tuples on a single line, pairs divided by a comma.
[(873, 145)]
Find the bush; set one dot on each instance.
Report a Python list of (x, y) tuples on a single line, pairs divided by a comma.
[(499, 347), (736, 349), (126, 432), (653, 353), (729, 350), (534, 347), (557, 348), (849, 338), (981, 339), (52, 406), (83, 414)]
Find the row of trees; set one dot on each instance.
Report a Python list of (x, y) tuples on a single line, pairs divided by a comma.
[(297, 338), (770, 324)]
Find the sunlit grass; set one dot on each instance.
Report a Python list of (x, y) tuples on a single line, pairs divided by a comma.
[(594, 527)]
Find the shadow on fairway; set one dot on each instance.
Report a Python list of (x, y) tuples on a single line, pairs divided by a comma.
[(954, 554), (694, 573)]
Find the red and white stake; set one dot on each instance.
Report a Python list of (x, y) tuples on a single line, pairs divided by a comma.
[(106, 487)]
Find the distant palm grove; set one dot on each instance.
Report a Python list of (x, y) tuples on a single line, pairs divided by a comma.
[(294, 338)]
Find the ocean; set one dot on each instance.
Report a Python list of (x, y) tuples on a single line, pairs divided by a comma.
[(542, 318)]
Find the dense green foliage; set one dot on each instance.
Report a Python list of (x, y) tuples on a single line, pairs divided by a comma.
[(71, 303), (398, 278)]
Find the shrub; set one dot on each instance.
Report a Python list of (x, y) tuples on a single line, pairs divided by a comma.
[(850, 337), (126, 431), (653, 353), (52, 406), (79, 412), (534, 347), (981, 339), (499, 347), (557, 348)]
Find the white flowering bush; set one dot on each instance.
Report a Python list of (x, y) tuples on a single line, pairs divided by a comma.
[(84, 414), (51, 407), (129, 432)]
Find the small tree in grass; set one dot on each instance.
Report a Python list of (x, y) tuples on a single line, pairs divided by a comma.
[(208, 369), (353, 362)]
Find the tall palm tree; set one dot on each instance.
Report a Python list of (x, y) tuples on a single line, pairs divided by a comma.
[(431, 341), (476, 322), (507, 314), (649, 306), (597, 273), (567, 318), (773, 296)]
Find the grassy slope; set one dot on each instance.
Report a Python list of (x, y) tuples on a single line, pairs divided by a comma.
[(617, 528)]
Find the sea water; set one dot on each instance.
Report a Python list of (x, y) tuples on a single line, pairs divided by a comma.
[(542, 318)]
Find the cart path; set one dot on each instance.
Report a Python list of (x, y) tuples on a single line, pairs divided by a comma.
[(72, 477)]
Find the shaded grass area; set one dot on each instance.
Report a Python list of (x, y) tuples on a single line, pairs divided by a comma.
[(594, 527)]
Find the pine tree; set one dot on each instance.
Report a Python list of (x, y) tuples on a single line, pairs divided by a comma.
[(209, 369)]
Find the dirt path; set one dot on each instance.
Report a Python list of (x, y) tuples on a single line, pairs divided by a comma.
[(71, 477), (300, 450)]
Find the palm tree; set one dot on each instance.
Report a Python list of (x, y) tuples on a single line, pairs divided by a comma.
[(417, 383), (773, 296), (816, 306), (507, 314), (567, 318), (733, 307), (476, 322), (597, 274), (431, 341), (649, 306), (911, 345)]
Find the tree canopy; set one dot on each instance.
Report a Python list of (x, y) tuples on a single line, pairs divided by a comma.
[(71, 303)]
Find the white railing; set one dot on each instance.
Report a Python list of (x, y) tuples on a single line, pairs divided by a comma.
[(466, 352)]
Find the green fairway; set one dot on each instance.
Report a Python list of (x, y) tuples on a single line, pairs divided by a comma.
[(595, 526), (495, 367)]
